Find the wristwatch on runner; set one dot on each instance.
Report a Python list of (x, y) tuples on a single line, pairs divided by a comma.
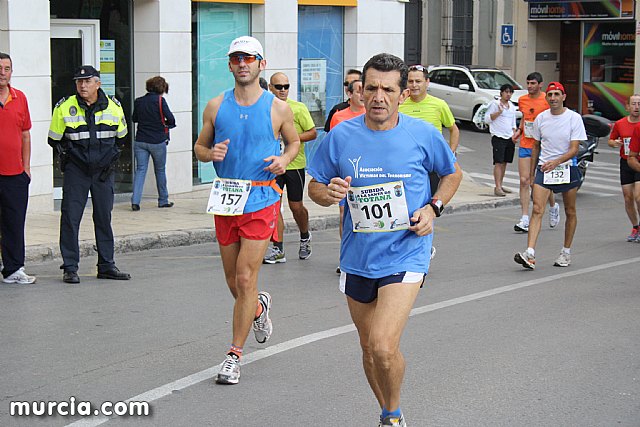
[(437, 206)]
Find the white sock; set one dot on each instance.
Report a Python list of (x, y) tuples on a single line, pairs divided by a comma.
[(525, 219), (531, 251), (566, 251)]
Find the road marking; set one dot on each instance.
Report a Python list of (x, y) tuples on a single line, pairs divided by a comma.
[(586, 184), (462, 149), (209, 373)]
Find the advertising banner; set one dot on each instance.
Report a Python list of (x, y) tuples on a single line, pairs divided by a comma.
[(577, 10), (608, 66)]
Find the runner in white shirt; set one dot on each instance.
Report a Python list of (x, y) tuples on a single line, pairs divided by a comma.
[(557, 133), (501, 117)]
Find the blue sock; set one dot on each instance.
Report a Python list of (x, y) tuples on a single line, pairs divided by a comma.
[(395, 413)]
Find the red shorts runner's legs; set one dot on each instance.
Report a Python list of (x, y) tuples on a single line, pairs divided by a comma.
[(258, 225)]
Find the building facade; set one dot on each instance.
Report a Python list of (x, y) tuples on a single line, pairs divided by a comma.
[(587, 45), (185, 41)]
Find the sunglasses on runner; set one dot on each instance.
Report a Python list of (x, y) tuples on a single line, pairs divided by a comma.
[(282, 87), (248, 59)]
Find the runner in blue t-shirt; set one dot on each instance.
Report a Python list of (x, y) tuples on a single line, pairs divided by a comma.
[(240, 136), (380, 163)]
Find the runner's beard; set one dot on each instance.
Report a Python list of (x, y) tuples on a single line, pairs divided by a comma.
[(249, 79)]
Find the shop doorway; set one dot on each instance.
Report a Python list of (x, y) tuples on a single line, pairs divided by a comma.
[(74, 42)]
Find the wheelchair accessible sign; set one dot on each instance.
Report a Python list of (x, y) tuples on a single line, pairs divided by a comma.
[(506, 35)]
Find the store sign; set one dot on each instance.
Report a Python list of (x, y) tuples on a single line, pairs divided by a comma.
[(108, 66), (313, 84), (579, 10)]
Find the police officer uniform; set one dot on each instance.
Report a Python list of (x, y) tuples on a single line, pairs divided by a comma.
[(88, 139)]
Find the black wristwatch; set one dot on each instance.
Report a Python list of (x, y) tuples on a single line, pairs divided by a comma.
[(437, 206)]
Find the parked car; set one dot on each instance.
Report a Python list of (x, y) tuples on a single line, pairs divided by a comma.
[(465, 89)]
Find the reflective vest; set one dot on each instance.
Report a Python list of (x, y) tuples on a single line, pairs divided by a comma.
[(89, 133)]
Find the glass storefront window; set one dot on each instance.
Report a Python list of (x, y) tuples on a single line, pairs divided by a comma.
[(321, 45), (115, 25), (214, 26), (320, 63), (607, 68)]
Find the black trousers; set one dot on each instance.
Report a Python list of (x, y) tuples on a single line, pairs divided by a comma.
[(14, 196), (75, 191)]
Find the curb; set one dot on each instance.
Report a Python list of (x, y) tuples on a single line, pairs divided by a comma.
[(170, 239)]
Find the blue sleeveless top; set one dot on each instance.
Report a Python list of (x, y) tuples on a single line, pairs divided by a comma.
[(251, 140)]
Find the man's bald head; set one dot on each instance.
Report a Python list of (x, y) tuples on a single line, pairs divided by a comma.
[(279, 85)]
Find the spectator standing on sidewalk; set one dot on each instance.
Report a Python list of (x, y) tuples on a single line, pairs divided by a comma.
[(87, 130), (294, 177), (15, 175), (501, 117), (557, 132), (154, 119), (620, 137), (531, 104)]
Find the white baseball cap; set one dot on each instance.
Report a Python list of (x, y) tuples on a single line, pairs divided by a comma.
[(246, 44)]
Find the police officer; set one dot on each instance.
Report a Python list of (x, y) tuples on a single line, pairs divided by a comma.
[(87, 130)]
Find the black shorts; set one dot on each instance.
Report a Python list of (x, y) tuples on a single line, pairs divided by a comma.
[(503, 149), (574, 180), (627, 175), (294, 181), (365, 290)]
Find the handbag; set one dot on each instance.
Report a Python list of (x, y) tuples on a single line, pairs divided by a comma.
[(162, 118)]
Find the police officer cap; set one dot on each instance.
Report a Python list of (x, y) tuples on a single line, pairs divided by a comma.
[(85, 72)]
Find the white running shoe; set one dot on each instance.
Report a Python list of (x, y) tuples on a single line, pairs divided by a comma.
[(229, 371), (305, 248), (521, 227), (275, 257), (394, 421), (20, 277), (525, 260), (262, 327), (554, 216), (563, 260)]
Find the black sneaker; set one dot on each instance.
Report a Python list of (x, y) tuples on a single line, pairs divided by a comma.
[(113, 274), (71, 277)]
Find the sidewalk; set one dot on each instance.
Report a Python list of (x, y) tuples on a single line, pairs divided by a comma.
[(187, 223)]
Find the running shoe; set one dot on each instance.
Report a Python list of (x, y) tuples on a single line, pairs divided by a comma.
[(262, 327), (554, 216), (305, 248), (275, 257), (633, 237), (20, 277), (229, 371), (563, 260), (394, 421), (526, 260), (521, 227)]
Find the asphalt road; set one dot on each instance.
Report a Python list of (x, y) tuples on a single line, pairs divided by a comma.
[(489, 344)]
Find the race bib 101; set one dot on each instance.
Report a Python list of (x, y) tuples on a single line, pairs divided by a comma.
[(378, 208), (228, 196)]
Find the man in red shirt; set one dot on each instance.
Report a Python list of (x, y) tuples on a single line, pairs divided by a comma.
[(15, 175), (629, 179)]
